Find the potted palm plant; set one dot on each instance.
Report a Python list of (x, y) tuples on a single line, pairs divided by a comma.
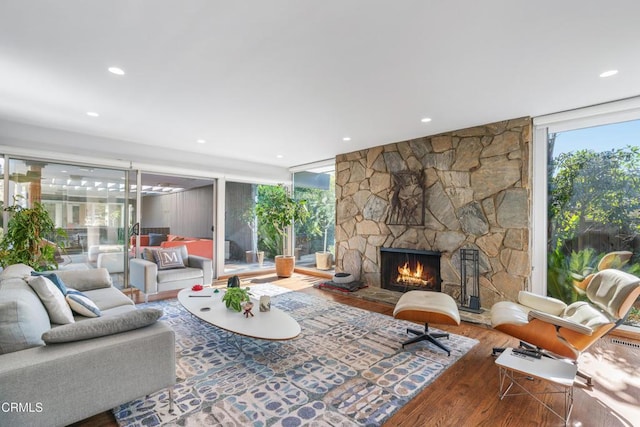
[(25, 241), (277, 209)]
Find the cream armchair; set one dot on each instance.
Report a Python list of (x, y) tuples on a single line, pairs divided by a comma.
[(568, 330)]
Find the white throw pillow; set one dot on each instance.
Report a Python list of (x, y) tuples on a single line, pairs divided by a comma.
[(82, 304), (53, 300)]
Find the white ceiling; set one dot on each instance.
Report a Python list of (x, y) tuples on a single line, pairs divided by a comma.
[(260, 78)]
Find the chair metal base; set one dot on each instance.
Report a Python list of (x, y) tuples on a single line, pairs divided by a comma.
[(427, 336)]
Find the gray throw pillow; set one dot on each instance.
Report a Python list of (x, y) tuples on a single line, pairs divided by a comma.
[(168, 259), (102, 326), (52, 298)]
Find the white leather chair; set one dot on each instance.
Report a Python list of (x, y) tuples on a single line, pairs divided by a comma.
[(565, 330)]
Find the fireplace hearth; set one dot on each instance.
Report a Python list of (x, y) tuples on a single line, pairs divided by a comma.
[(409, 269)]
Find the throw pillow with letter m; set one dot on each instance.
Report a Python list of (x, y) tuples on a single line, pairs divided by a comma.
[(168, 259)]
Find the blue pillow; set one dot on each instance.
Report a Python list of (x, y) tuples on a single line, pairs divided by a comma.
[(82, 304), (54, 278), (155, 239)]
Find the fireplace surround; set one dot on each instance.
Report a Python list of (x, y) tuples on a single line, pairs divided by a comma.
[(405, 270), (476, 185)]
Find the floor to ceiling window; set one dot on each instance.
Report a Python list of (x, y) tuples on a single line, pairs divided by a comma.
[(249, 245), (88, 203), (593, 203), (315, 237)]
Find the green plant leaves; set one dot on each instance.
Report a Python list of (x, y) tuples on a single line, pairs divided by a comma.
[(25, 240), (234, 297)]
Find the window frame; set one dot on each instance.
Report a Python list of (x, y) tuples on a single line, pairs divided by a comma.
[(597, 115)]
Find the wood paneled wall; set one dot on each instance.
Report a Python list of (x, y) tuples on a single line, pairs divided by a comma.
[(187, 213)]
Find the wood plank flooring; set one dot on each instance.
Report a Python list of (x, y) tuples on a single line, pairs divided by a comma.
[(466, 394)]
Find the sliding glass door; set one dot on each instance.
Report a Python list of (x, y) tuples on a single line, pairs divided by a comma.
[(88, 203)]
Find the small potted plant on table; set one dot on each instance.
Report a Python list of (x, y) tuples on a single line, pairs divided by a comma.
[(234, 297)]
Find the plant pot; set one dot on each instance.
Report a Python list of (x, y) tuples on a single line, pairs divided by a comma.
[(285, 265), (324, 260), (260, 258), (250, 257)]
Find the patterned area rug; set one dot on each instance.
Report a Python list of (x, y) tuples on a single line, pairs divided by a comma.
[(346, 368)]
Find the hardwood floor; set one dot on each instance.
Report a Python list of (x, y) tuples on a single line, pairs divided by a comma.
[(467, 393)]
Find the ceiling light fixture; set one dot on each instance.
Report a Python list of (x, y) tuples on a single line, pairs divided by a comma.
[(609, 73), (116, 70), (279, 156), (425, 119), (201, 141), (92, 114), (346, 138)]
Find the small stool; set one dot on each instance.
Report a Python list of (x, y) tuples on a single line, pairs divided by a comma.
[(427, 307)]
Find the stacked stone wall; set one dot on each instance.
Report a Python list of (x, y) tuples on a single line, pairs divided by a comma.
[(477, 195)]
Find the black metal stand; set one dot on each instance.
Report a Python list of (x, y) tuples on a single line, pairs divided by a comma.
[(470, 302), (427, 336)]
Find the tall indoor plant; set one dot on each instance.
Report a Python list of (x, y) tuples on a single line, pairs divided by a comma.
[(276, 208), (25, 240)]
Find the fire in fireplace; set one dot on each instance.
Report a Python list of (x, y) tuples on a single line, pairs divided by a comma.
[(409, 269)]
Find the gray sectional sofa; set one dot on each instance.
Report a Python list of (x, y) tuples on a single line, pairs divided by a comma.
[(86, 367)]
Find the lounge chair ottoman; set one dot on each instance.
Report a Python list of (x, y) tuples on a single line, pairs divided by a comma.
[(427, 307)]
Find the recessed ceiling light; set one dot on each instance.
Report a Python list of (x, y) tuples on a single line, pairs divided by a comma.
[(116, 70), (346, 138), (92, 114), (279, 156), (201, 141), (425, 119), (609, 73)]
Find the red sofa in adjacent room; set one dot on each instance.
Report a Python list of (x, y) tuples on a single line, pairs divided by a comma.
[(195, 246)]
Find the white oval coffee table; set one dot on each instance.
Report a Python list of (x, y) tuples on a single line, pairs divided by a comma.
[(206, 305)]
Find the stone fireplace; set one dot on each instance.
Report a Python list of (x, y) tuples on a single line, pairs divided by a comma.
[(405, 270), (466, 189)]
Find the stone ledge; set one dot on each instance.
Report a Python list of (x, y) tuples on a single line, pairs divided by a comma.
[(386, 296)]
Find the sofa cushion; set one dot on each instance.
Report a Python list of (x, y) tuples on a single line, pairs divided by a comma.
[(23, 318), (156, 239), (167, 259), (53, 300), (82, 304), (179, 274), (15, 271), (102, 326), (86, 280), (55, 279), (108, 298)]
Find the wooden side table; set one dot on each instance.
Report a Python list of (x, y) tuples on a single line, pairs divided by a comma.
[(559, 374)]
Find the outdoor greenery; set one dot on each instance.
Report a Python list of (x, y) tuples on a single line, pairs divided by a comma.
[(276, 212), (320, 223), (579, 203), (26, 238), (591, 194)]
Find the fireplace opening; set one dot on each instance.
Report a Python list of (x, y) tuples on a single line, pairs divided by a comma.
[(409, 269)]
